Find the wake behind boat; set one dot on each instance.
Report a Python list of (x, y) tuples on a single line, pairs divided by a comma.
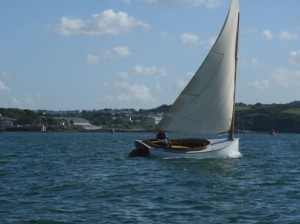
[(206, 105)]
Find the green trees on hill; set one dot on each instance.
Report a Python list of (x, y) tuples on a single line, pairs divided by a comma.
[(97, 118), (23, 117), (261, 117)]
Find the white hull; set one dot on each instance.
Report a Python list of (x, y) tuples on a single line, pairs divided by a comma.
[(219, 148)]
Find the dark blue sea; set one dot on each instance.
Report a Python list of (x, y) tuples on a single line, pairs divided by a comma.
[(88, 178)]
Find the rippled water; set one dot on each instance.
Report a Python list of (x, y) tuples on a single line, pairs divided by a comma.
[(88, 178)]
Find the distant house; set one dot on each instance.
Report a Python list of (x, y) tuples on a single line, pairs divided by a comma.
[(6, 122), (126, 118), (76, 121), (152, 120)]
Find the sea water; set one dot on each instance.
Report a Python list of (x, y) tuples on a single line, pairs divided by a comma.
[(88, 178)]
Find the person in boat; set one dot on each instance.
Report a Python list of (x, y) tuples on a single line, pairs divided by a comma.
[(161, 135)]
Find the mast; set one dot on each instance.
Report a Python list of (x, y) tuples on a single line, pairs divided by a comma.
[(231, 129)]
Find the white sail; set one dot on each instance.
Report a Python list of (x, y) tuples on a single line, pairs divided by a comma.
[(206, 105)]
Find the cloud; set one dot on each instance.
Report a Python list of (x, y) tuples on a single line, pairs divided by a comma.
[(264, 84), (25, 101), (267, 34), (4, 87), (139, 70), (117, 52), (189, 38), (254, 62), (208, 3), (125, 75), (284, 35), (130, 93), (165, 35), (107, 22), (127, 1), (158, 87), (92, 59), (286, 78), (251, 30), (107, 98), (149, 71), (294, 57), (134, 92), (15, 101), (5, 74)]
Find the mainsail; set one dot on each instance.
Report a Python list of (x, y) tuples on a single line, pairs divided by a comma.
[(206, 105)]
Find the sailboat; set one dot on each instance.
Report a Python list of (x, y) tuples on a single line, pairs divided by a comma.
[(43, 129), (206, 105)]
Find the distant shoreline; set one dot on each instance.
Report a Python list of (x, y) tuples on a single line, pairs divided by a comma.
[(108, 130), (72, 129)]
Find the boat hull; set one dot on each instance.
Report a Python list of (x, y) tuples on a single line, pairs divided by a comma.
[(218, 148)]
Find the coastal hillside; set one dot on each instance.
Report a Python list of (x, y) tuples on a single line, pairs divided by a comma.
[(249, 118), (262, 117)]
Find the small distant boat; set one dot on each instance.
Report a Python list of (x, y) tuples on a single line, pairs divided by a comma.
[(206, 105), (43, 129), (272, 132)]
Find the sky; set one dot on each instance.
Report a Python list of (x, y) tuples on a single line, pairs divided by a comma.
[(96, 54)]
